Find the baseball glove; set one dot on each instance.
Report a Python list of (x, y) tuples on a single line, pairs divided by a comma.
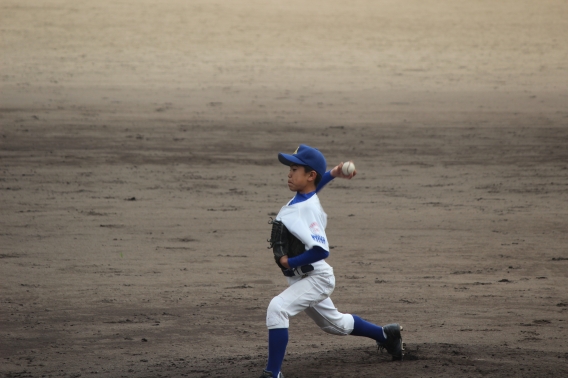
[(283, 242)]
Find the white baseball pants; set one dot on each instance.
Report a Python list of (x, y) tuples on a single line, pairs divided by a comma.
[(309, 294)]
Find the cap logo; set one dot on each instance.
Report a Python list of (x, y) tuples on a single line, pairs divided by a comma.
[(295, 152)]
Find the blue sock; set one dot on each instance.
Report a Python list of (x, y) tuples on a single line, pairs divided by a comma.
[(277, 342), (364, 328)]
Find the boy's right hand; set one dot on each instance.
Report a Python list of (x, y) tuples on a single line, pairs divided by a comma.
[(337, 172)]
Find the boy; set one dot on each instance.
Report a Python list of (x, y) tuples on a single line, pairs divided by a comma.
[(300, 247)]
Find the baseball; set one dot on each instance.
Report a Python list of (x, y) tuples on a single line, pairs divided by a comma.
[(348, 168)]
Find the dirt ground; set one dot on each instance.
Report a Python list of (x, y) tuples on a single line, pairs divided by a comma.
[(138, 144)]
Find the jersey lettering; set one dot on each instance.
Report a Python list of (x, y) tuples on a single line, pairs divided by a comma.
[(318, 238), (314, 228)]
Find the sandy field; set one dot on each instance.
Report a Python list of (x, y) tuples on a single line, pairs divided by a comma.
[(138, 144)]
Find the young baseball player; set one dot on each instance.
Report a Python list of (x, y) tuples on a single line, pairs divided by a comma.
[(300, 247)]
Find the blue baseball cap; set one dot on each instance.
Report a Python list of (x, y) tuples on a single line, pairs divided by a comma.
[(305, 155)]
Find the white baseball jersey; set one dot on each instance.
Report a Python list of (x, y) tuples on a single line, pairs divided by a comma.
[(307, 221)]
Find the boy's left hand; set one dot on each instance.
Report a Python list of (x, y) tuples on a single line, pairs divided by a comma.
[(337, 172), (284, 261)]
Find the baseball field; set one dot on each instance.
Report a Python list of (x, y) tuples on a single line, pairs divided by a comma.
[(138, 173)]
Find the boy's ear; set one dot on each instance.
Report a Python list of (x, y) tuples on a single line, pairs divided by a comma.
[(313, 176)]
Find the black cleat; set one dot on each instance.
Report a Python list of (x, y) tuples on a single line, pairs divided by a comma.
[(394, 344), (268, 374)]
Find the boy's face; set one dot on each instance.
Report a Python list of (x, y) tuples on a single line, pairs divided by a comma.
[(301, 181)]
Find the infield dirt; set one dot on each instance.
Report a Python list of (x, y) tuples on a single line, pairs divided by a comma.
[(138, 144)]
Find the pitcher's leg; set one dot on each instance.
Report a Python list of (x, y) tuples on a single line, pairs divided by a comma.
[(293, 300), (329, 319), (277, 342), (364, 328)]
